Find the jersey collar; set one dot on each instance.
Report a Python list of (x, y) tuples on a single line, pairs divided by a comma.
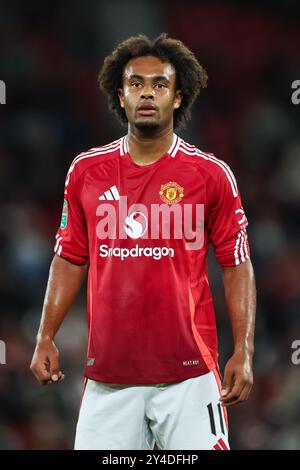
[(172, 151)]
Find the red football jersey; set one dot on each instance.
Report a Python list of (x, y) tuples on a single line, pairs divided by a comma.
[(150, 312)]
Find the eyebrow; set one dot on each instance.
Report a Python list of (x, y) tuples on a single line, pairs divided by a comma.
[(155, 78)]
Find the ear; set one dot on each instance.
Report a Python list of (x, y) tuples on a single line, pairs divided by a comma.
[(177, 99), (121, 97)]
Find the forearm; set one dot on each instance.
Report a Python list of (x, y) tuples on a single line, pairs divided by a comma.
[(64, 282), (240, 295)]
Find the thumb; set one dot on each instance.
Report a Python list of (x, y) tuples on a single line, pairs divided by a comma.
[(227, 381)]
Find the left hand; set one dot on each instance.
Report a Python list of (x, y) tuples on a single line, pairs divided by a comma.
[(238, 379)]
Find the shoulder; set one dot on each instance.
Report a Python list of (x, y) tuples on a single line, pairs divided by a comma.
[(92, 156), (213, 168)]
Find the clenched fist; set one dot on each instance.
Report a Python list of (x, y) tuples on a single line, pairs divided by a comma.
[(45, 363)]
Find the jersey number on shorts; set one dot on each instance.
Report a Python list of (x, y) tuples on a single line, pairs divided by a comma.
[(212, 418)]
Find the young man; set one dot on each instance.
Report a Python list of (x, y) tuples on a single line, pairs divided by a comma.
[(142, 212)]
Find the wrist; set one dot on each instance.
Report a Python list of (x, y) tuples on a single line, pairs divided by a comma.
[(44, 338), (244, 350)]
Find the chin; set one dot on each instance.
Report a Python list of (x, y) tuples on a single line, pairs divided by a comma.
[(147, 126)]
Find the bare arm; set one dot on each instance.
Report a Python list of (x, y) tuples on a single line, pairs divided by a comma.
[(64, 282), (240, 294)]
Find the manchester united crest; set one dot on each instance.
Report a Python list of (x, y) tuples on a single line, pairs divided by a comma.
[(171, 192)]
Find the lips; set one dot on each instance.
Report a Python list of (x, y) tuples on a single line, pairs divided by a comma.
[(147, 109)]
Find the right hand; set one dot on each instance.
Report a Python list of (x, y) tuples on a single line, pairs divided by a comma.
[(45, 363)]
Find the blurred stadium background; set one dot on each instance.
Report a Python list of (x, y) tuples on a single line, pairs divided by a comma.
[(50, 54)]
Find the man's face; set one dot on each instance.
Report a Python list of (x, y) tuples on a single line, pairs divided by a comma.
[(148, 94)]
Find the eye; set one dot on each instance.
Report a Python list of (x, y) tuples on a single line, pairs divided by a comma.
[(160, 85), (136, 84)]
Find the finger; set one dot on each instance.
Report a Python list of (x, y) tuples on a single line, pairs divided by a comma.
[(246, 392), (237, 397), (40, 373), (234, 392), (227, 383), (45, 382), (61, 377), (54, 367)]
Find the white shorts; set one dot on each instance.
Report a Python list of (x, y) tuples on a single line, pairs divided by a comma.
[(177, 416)]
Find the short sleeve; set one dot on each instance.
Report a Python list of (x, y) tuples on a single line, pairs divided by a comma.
[(71, 238), (227, 220)]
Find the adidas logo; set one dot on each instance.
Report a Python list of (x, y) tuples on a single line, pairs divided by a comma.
[(110, 195)]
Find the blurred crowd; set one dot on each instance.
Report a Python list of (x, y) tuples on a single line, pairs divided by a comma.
[(50, 54)]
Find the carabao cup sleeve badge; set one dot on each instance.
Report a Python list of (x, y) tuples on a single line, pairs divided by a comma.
[(64, 216)]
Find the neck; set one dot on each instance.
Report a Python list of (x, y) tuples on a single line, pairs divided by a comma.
[(146, 148)]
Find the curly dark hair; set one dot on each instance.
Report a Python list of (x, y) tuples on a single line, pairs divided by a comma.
[(191, 77)]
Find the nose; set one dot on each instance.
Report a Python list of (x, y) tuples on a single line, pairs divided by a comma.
[(147, 92), (146, 96)]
